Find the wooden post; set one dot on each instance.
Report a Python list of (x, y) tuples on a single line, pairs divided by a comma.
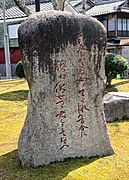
[(83, 7), (37, 5)]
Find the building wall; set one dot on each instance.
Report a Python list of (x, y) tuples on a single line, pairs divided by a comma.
[(15, 57), (13, 42), (2, 58), (125, 52), (1, 35)]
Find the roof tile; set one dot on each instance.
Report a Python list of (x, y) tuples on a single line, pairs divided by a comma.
[(104, 8), (15, 12)]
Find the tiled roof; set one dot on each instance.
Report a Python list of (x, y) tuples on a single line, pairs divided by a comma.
[(107, 2), (104, 8), (15, 12), (77, 2), (32, 1)]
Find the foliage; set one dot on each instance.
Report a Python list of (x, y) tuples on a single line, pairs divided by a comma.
[(114, 64), (13, 107), (8, 4), (20, 70)]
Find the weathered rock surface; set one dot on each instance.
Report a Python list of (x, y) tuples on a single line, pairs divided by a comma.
[(64, 66), (116, 106)]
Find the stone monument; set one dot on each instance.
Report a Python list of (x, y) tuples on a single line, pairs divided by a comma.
[(116, 106), (64, 65)]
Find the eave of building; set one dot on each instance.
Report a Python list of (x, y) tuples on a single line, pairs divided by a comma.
[(75, 3), (108, 2), (119, 42), (105, 8), (107, 15), (14, 20)]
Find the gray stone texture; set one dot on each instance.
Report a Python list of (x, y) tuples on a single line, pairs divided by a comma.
[(116, 106), (64, 66)]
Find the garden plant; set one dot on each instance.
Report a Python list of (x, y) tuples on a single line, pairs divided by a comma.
[(114, 64)]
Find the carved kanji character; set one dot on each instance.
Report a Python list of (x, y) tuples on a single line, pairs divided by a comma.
[(64, 146), (82, 129), (61, 114), (62, 129), (80, 118), (61, 66), (62, 76), (81, 79), (62, 132), (82, 92), (60, 87), (82, 107), (60, 100)]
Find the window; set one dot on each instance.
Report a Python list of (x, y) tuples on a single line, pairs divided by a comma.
[(119, 24), (127, 24), (123, 27), (111, 25), (124, 24), (13, 31), (105, 23)]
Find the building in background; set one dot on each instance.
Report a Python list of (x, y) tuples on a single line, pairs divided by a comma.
[(78, 4), (114, 15)]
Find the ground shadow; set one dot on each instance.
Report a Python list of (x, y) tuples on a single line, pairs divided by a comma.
[(118, 121), (11, 82), (113, 88), (10, 168), (19, 95), (109, 89), (124, 119)]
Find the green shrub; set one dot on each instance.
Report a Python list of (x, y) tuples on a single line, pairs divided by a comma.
[(114, 64), (19, 70)]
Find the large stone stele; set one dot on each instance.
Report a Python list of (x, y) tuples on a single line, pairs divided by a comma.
[(64, 65)]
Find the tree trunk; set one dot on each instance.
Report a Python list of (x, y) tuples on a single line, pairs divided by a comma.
[(61, 4), (23, 7), (55, 5), (27, 11)]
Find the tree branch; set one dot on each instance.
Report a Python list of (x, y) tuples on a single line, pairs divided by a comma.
[(55, 4), (23, 7)]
